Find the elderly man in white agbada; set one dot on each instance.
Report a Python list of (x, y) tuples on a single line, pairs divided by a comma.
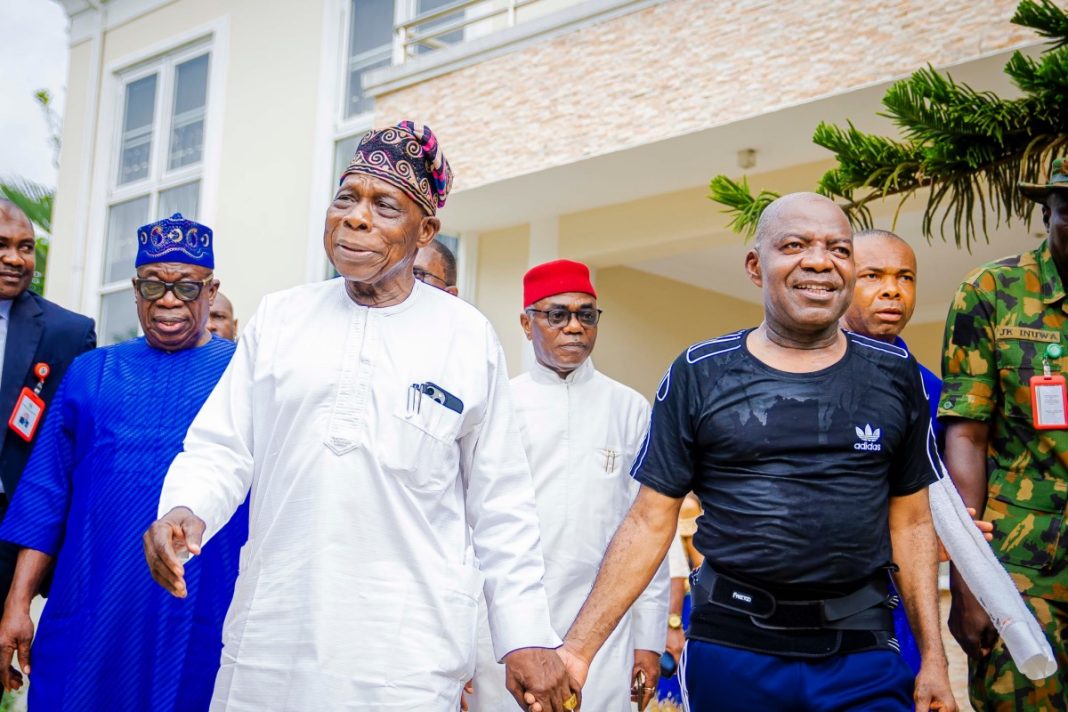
[(370, 417)]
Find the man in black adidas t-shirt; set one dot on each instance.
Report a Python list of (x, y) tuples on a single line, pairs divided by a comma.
[(810, 450)]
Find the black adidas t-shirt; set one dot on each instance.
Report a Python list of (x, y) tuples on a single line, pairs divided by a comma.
[(794, 470)]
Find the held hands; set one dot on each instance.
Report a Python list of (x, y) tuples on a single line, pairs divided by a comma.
[(176, 533), (538, 681), (16, 635)]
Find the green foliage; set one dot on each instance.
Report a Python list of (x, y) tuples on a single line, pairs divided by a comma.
[(966, 150), (741, 202), (36, 201), (1045, 18), (31, 198)]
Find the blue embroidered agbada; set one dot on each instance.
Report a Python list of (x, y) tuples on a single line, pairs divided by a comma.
[(110, 638)]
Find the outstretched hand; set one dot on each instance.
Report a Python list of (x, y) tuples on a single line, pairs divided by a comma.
[(168, 542), (16, 635)]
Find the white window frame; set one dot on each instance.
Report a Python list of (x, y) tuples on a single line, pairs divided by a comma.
[(161, 58), (334, 126)]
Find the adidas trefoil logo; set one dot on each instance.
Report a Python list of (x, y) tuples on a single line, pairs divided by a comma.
[(869, 439)]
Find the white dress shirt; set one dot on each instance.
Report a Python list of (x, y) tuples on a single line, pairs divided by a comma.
[(356, 591), (581, 434), (5, 320)]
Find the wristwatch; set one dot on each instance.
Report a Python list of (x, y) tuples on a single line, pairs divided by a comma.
[(675, 621)]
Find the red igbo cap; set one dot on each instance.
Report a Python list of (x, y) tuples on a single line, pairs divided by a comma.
[(556, 277)]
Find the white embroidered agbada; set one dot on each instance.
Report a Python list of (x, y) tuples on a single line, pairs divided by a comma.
[(355, 591), (581, 435)]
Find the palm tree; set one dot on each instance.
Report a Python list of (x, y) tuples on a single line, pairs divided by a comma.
[(965, 150), (36, 201)]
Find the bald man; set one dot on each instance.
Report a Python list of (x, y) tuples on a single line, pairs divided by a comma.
[(221, 319), (38, 340), (808, 447)]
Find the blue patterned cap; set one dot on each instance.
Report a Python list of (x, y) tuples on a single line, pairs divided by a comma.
[(175, 239)]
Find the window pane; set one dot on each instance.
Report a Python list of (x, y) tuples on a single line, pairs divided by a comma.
[(118, 317), (184, 199), (187, 123), (424, 6), (370, 47), (453, 243), (121, 249), (371, 25), (343, 153), (358, 102), (138, 113)]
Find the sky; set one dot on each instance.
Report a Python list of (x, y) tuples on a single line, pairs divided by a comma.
[(33, 55)]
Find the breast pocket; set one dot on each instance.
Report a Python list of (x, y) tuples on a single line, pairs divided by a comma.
[(1018, 360), (1028, 516), (419, 446)]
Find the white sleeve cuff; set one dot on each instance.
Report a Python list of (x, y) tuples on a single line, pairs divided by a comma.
[(649, 626), (522, 625)]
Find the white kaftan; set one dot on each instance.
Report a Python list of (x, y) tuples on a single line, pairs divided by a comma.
[(356, 592), (581, 435)]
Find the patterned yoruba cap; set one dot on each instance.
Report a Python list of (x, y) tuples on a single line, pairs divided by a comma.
[(175, 239), (408, 157), (1058, 180)]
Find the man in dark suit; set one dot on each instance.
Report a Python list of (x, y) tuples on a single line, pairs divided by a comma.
[(33, 331)]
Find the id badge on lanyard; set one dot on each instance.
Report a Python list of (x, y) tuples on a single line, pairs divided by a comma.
[(1049, 395), (29, 408)]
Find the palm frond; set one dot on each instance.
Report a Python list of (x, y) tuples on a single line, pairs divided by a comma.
[(740, 203)]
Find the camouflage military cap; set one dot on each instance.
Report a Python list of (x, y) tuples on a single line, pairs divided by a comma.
[(1058, 180)]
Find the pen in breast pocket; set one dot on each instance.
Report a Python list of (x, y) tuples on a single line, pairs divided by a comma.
[(610, 460)]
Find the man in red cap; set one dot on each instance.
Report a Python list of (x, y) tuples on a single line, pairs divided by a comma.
[(581, 432)]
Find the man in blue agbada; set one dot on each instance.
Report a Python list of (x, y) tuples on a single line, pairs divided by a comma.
[(109, 637)]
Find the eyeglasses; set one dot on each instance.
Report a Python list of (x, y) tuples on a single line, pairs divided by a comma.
[(422, 275), (559, 318), (187, 291)]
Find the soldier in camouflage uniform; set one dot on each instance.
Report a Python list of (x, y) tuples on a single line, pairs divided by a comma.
[(1007, 318)]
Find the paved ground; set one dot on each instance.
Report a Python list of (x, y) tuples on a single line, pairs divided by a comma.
[(958, 661)]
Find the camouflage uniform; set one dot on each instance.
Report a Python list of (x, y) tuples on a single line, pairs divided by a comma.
[(1003, 317)]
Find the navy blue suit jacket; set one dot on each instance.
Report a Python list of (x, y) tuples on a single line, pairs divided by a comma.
[(38, 332)]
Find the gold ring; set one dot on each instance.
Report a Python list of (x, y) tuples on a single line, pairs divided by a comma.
[(571, 703)]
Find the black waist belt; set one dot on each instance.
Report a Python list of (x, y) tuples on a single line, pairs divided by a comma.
[(741, 614)]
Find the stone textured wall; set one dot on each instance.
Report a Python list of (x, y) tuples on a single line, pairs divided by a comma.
[(683, 66)]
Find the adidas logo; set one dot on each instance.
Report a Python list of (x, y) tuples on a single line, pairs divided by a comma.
[(869, 439)]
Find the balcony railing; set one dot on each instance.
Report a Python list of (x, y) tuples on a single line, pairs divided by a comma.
[(452, 23)]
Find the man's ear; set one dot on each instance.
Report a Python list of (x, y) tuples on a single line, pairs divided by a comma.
[(752, 267), (453, 290), (428, 230), (1045, 214), (524, 321)]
